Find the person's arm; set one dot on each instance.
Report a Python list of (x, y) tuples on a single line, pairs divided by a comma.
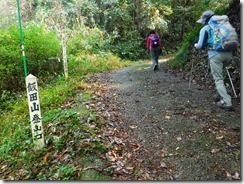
[(202, 41), (160, 43), (148, 43)]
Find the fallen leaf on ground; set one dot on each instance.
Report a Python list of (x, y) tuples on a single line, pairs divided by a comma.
[(45, 158), (133, 126), (167, 117), (179, 138), (130, 168), (163, 165), (164, 153), (219, 137), (64, 157), (227, 173), (213, 151), (236, 176)]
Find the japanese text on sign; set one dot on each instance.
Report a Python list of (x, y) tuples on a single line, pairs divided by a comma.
[(34, 108)]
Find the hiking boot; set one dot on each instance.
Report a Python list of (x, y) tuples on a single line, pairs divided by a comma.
[(221, 104), (155, 67), (217, 97)]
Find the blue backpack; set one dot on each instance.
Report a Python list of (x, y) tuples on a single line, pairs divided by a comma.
[(223, 36), (154, 40)]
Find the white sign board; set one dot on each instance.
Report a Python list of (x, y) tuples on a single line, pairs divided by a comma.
[(35, 111)]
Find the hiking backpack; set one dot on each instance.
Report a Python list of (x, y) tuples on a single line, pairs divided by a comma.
[(223, 36), (154, 40)]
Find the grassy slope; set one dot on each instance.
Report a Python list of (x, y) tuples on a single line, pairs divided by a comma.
[(70, 130)]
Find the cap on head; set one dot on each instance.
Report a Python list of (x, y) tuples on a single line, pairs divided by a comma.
[(207, 14)]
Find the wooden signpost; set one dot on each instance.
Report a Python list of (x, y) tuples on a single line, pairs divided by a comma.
[(35, 111)]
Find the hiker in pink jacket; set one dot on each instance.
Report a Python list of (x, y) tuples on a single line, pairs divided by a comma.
[(154, 45)]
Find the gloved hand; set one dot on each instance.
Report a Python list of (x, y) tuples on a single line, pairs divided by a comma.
[(195, 45)]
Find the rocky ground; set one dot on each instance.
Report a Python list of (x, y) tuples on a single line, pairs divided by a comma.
[(160, 128)]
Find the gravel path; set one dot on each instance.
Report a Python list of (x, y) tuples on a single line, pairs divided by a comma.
[(179, 133)]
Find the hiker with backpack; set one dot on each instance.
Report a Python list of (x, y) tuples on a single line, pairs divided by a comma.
[(221, 39), (154, 46)]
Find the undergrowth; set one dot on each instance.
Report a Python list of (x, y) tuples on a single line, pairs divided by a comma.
[(71, 141)]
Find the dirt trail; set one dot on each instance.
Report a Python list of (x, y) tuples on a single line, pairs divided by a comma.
[(166, 131)]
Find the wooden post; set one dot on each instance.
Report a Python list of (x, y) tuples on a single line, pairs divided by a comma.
[(65, 56), (35, 111)]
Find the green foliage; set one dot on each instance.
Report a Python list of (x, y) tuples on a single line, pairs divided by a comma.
[(127, 24), (89, 64), (39, 46), (67, 172), (6, 100), (89, 13), (179, 59), (87, 40), (181, 56), (132, 47), (11, 68), (219, 6)]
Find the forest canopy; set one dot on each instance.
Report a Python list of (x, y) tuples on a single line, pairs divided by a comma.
[(92, 27)]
